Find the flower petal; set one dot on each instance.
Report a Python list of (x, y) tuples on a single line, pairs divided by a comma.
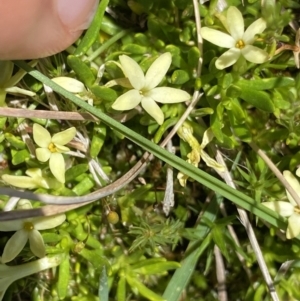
[(43, 154), (127, 101), (61, 148), (293, 229), (207, 137), (235, 23), (57, 166), (151, 107), (255, 28), (254, 54), (14, 245), (283, 208), (157, 71), (211, 162), (41, 136), (11, 225), (70, 84), (4, 285), (228, 58), (64, 137), (34, 172), (168, 95), (17, 90), (20, 181), (48, 222), (182, 178), (298, 169), (133, 71), (217, 37), (36, 242), (294, 183)]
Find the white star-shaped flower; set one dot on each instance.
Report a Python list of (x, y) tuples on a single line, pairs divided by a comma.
[(291, 209), (27, 229), (145, 89), (239, 41), (51, 148)]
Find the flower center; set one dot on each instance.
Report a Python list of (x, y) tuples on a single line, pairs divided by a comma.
[(52, 148), (296, 209), (240, 44), (28, 226)]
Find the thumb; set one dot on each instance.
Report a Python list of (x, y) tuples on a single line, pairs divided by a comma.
[(38, 28)]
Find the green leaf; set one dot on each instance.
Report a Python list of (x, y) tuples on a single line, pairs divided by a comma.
[(158, 269), (16, 142), (109, 26), (93, 257), (75, 171), (98, 139), (103, 291), (84, 186), (193, 56), (19, 157), (266, 83), (142, 289), (218, 237), (179, 77), (183, 274), (93, 31), (149, 267), (134, 48), (163, 128), (121, 289), (63, 278), (241, 130), (216, 125), (82, 70), (104, 93), (259, 99), (233, 91), (226, 81)]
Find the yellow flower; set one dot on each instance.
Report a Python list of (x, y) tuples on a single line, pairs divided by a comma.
[(238, 41), (145, 90), (51, 148)]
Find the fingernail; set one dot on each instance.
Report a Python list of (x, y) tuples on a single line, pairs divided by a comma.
[(76, 14)]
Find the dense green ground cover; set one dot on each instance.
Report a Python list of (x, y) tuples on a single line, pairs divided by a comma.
[(187, 224)]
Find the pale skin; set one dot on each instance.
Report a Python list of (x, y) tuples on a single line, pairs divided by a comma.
[(34, 29)]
